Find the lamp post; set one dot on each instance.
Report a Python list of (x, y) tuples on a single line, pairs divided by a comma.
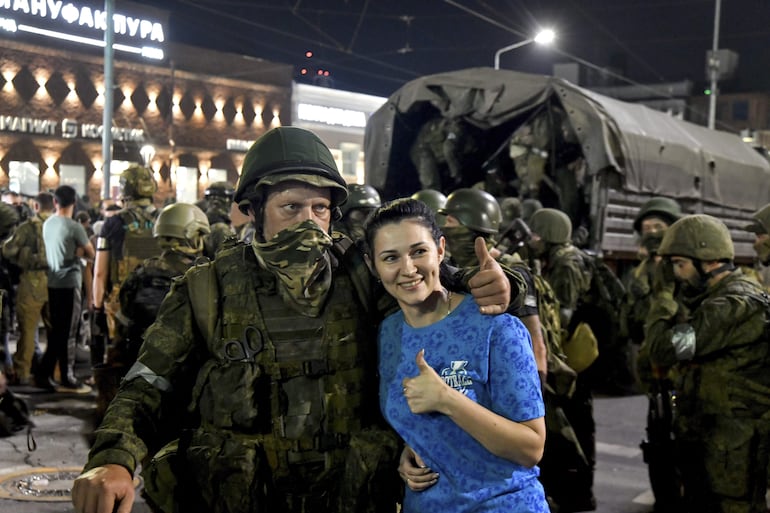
[(544, 37)]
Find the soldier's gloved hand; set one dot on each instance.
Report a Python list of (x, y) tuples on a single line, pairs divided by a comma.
[(664, 280), (99, 322)]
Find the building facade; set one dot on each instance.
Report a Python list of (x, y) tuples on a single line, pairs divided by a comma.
[(188, 113)]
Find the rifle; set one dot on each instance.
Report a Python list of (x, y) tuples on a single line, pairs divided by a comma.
[(514, 236), (659, 448)]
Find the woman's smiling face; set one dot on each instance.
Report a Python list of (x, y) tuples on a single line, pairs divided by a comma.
[(407, 260)]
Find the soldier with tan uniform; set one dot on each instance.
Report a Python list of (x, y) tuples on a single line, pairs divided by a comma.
[(760, 226), (270, 347), (124, 242), (26, 249)]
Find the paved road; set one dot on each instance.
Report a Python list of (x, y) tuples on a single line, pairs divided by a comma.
[(64, 422)]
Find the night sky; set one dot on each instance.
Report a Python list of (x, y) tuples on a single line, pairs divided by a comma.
[(375, 46)]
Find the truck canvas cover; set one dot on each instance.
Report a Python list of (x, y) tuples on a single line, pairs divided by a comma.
[(631, 152)]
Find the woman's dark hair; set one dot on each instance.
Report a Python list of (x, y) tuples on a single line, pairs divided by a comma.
[(399, 210)]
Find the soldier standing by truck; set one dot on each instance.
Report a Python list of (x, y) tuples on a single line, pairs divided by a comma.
[(712, 328)]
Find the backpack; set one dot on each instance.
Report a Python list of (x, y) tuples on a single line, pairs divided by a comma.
[(138, 243), (14, 417)]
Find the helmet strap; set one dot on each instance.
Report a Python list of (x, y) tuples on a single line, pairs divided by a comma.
[(707, 275)]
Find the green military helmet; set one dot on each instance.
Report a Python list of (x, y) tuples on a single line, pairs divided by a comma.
[(760, 221), (474, 209), (510, 208), (361, 196), (220, 190), (700, 237), (182, 221), (137, 182), (552, 225), (431, 197), (662, 207), (288, 153), (528, 207)]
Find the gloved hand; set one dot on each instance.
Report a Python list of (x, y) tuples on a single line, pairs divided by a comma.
[(664, 280), (99, 323)]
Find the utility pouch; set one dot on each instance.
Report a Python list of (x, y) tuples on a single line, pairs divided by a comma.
[(582, 348)]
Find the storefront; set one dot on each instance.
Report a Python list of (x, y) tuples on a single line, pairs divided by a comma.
[(188, 113), (339, 119)]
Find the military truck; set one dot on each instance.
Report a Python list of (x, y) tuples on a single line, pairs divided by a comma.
[(533, 136)]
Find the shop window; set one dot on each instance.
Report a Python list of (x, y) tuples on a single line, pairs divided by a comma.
[(186, 184), (349, 153), (24, 177), (116, 169), (74, 176), (217, 175)]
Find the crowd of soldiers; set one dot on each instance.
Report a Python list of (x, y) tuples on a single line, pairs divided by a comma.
[(253, 379)]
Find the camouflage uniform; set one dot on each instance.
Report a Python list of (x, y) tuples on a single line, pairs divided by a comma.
[(283, 406), (565, 270), (219, 199), (26, 249), (362, 200), (125, 241), (716, 339)]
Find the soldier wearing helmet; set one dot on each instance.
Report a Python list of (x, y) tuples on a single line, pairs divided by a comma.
[(760, 226), (125, 241), (181, 229), (650, 224), (362, 200), (270, 345), (711, 328), (569, 272), (217, 204)]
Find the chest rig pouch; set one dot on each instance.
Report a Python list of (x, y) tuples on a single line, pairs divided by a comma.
[(289, 383)]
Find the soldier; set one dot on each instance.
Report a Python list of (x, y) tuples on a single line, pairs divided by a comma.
[(434, 199), (564, 268), (712, 329), (26, 249), (473, 213), (760, 226), (362, 200), (271, 347), (655, 216), (650, 224), (218, 201), (181, 230), (124, 242)]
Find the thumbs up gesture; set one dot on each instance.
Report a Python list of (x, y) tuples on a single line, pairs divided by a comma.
[(425, 392), (490, 286)]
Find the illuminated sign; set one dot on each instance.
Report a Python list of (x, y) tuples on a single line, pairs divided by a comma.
[(70, 129), (331, 115), (238, 144), (47, 18)]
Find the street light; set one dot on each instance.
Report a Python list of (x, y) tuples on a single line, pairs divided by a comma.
[(544, 37)]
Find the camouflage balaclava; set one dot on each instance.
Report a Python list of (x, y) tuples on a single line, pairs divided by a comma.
[(461, 244), (299, 258)]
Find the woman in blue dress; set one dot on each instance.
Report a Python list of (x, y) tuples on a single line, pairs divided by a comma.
[(461, 388)]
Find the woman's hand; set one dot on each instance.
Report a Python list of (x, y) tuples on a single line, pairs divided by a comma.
[(424, 393), (413, 471)]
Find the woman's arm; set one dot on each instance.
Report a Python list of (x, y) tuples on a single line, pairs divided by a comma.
[(520, 442)]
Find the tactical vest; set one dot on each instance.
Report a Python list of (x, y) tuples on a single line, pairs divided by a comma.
[(26, 248), (294, 384), (138, 243)]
